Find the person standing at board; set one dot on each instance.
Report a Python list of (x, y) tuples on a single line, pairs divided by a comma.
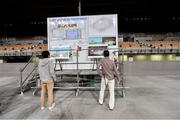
[(108, 72), (47, 77)]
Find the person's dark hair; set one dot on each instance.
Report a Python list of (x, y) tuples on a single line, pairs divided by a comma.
[(45, 54), (106, 53)]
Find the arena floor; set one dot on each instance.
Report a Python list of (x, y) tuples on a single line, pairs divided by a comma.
[(149, 97)]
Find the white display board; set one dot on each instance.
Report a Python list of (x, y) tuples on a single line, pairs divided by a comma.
[(65, 34)]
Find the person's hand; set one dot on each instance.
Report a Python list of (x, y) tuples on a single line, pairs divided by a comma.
[(118, 80), (54, 79)]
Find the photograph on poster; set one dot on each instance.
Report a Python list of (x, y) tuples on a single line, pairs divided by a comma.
[(95, 40), (73, 34), (57, 33), (60, 52), (96, 51), (102, 25), (110, 41)]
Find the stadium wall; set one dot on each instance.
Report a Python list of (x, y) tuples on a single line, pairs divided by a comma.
[(152, 68), (130, 68)]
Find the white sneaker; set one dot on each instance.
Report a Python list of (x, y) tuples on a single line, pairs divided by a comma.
[(101, 103), (42, 108), (52, 106)]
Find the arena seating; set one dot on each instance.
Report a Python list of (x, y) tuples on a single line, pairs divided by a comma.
[(23, 47), (164, 44)]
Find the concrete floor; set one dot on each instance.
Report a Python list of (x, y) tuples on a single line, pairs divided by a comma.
[(149, 97)]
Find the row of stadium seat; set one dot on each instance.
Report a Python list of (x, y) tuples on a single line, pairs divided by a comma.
[(169, 44), (23, 47)]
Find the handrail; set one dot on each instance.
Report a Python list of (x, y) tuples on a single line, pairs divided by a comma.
[(22, 69), (21, 72), (29, 74)]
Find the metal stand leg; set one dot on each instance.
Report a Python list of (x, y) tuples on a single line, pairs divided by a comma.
[(58, 61), (35, 92), (77, 92), (21, 93), (94, 63), (77, 77), (121, 71), (38, 84), (123, 92)]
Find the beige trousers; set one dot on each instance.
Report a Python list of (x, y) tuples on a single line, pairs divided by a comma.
[(110, 84), (47, 87)]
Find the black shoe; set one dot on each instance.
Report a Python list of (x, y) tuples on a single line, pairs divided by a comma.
[(110, 109)]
